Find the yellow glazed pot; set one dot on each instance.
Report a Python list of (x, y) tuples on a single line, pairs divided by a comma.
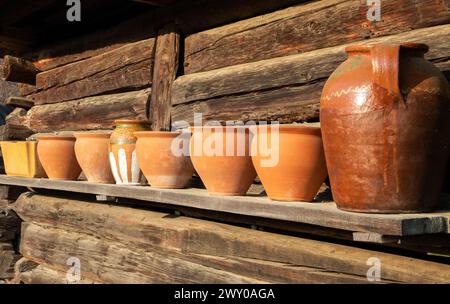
[(20, 159)]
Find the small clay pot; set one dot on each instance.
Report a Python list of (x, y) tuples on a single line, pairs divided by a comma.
[(221, 157), (122, 151), (92, 152), (57, 156), (289, 160), (160, 158)]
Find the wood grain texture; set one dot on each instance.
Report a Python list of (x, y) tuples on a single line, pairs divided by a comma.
[(192, 244), (304, 28), (17, 69), (165, 71), (287, 89), (112, 262), (7, 259), (320, 214), (97, 112), (29, 272), (125, 68)]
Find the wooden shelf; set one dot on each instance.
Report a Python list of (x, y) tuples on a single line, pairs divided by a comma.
[(319, 214)]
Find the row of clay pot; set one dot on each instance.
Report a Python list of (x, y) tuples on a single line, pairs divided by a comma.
[(296, 172)]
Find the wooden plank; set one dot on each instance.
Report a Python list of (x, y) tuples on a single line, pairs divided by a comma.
[(166, 66), (97, 112), (286, 89), (204, 243), (98, 75), (19, 70), (112, 262), (20, 102), (304, 28), (321, 214)]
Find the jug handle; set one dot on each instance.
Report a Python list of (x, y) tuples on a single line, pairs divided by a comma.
[(385, 69)]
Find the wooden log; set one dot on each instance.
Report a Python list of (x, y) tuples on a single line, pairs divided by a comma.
[(19, 70), (186, 239), (112, 262), (29, 272), (304, 28), (98, 75), (166, 66), (97, 112), (7, 88), (19, 102), (286, 89), (191, 16)]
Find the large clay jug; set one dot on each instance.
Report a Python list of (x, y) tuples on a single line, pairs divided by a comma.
[(122, 151), (385, 118)]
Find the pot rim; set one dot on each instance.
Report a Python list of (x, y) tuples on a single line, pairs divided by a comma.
[(301, 129), (144, 134), (56, 137), (131, 121), (405, 45), (95, 134)]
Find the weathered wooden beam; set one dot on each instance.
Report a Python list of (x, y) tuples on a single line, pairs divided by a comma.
[(98, 75), (287, 89), (166, 67), (19, 70), (97, 112), (15, 127), (19, 102), (8, 257), (86, 230), (303, 28), (113, 262)]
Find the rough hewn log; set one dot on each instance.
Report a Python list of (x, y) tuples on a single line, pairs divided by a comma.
[(7, 88), (19, 102), (304, 28), (112, 262), (19, 70), (128, 67), (166, 66), (97, 112), (286, 89), (196, 241)]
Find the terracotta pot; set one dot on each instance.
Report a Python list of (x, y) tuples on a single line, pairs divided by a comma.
[(289, 160), (92, 152), (161, 159), (122, 151), (385, 116), (57, 156), (221, 157)]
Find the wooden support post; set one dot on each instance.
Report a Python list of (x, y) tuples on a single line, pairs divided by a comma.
[(20, 102), (164, 73), (19, 70)]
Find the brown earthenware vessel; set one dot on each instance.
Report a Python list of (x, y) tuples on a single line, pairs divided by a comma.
[(92, 152), (122, 151), (221, 157), (164, 159), (289, 160), (385, 118), (57, 156)]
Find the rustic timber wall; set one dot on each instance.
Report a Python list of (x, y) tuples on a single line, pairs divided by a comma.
[(274, 66)]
